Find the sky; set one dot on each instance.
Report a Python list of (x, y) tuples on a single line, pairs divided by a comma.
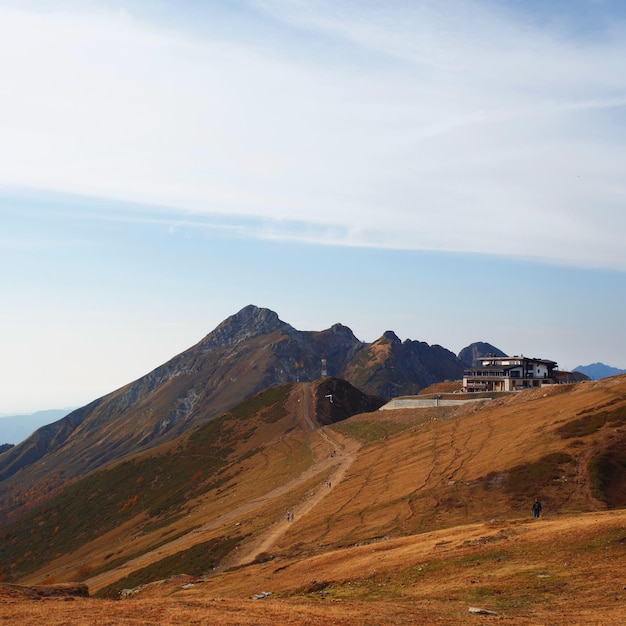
[(451, 170)]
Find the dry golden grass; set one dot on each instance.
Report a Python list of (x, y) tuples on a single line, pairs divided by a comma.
[(208, 612), (569, 570), (452, 386), (416, 527)]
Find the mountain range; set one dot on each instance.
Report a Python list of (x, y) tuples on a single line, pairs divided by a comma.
[(386, 367), (236, 468), (247, 353)]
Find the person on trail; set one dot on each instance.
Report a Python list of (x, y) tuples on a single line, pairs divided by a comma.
[(536, 508)]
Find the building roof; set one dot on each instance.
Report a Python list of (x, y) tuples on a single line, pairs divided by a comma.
[(517, 358)]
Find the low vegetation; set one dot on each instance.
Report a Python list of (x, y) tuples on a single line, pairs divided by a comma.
[(269, 405), (195, 561), (608, 475), (369, 431), (592, 420), (547, 476)]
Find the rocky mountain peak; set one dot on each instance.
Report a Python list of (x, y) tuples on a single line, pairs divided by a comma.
[(472, 354), (390, 336), (250, 322), (343, 331)]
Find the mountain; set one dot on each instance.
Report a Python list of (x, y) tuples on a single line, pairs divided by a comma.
[(596, 371), (15, 428), (247, 353), (472, 354), (389, 367)]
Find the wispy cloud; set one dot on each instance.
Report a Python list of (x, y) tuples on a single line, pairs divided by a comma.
[(443, 126)]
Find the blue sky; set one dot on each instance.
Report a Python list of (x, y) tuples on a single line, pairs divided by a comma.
[(454, 171)]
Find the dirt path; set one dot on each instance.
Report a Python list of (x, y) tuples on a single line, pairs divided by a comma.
[(341, 453)]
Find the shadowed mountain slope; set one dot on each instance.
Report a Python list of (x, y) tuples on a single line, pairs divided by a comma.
[(15, 428), (390, 368)]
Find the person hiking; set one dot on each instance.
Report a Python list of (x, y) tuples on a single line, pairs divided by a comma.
[(536, 508)]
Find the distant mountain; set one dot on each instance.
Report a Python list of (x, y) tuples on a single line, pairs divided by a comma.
[(596, 371), (249, 352), (15, 428), (472, 354)]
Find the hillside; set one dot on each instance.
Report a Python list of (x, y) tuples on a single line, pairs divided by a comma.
[(412, 514)]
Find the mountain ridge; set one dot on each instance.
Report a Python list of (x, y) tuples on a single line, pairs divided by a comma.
[(597, 371), (250, 351)]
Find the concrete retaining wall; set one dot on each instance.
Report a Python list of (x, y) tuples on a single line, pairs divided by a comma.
[(420, 403)]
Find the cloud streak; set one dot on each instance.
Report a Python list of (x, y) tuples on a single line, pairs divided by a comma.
[(362, 124)]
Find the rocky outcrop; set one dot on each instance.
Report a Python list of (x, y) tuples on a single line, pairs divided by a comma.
[(249, 323), (389, 367), (337, 400)]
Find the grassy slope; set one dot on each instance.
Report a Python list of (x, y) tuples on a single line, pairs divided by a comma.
[(140, 502), (435, 510), (452, 466)]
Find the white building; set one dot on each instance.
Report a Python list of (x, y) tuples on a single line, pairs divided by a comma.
[(508, 373)]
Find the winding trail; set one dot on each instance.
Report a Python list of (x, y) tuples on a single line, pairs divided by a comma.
[(342, 452), (341, 455)]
